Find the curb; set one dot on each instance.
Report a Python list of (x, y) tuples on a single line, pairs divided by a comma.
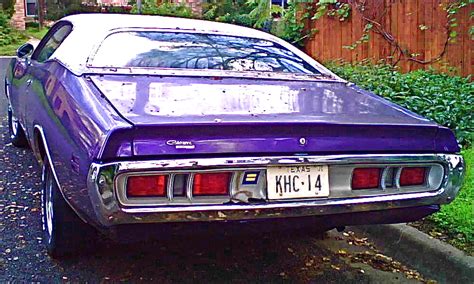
[(431, 257)]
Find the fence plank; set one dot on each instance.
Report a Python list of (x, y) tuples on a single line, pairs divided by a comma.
[(402, 20)]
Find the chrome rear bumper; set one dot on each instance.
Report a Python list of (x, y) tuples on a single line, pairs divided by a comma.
[(102, 188)]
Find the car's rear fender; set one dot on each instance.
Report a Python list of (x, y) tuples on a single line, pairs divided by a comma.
[(68, 125)]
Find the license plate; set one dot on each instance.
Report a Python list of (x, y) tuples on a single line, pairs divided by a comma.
[(307, 181)]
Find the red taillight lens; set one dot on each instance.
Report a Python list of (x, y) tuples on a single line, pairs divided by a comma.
[(412, 176), (363, 178), (143, 186), (211, 184)]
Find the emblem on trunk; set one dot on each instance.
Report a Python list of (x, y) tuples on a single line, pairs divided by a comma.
[(180, 144), (303, 141)]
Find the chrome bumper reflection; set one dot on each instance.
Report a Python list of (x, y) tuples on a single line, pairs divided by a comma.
[(109, 211)]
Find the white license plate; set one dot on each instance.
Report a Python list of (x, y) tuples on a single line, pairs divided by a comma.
[(307, 181)]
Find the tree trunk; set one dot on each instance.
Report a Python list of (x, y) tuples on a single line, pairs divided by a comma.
[(41, 9)]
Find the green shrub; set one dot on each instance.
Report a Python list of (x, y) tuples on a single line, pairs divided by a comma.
[(233, 12), (59, 9), (34, 25), (8, 35), (150, 7), (8, 7), (447, 100)]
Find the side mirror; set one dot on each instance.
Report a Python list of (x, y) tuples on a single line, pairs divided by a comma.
[(24, 50)]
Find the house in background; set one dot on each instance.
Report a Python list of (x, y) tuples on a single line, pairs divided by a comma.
[(27, 10), (24, 10), (112, 2)]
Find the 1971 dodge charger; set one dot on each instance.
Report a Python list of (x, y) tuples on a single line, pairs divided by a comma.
[(139, 121)]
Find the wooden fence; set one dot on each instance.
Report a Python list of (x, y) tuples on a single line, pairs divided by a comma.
[(418, 27)]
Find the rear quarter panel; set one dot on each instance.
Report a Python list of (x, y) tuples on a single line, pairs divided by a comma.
[(75, 122)]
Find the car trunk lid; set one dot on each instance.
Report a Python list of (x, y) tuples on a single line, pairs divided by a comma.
[(175, 115)]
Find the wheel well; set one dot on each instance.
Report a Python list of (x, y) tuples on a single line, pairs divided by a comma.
[(39, 144)]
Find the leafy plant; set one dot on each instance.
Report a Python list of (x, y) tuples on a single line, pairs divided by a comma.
[(8, 7), (262, 11), (291, 25), (447, 100), (150, 7), (332, 8), (363, 39), (285, 23), (8, 35), (229, 11)]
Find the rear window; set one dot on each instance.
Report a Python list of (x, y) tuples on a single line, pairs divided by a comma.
[(150, 49)]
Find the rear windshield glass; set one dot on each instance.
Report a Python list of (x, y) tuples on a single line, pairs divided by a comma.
[(150, 49)]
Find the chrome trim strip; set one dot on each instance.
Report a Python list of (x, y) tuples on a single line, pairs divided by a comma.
[(189, 186), (170, 187), (398, 172), (201, 163), (452, 179), (279, 205)]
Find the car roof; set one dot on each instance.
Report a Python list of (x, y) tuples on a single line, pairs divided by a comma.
[(89, 30)]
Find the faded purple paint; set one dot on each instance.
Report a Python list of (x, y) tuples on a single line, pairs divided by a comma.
[(74, 118), (243, 116)]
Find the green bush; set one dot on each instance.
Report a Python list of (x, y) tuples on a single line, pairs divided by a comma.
[(58, 9), (447, 100), (150, 7), (8, 7), (33, 25), (8, 35)]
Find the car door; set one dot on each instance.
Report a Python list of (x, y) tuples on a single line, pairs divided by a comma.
[(39, 73)]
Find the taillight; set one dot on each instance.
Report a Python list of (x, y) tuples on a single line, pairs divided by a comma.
[(144, 186), (365, 178), (412, 176), (211, 184)]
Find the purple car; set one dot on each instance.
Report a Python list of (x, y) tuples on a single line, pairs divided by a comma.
[(139, 121)]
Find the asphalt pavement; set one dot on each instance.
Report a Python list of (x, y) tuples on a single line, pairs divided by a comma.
[(279, 257)]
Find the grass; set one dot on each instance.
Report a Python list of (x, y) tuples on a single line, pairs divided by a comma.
[(8, 49), (30, 32), (36, 32), (457, 218)]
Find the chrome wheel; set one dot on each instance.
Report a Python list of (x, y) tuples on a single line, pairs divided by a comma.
[(63, 232), (14, 126), (48, 207)]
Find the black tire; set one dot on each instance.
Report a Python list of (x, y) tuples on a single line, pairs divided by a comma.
[(64, 232), (17, 135)]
